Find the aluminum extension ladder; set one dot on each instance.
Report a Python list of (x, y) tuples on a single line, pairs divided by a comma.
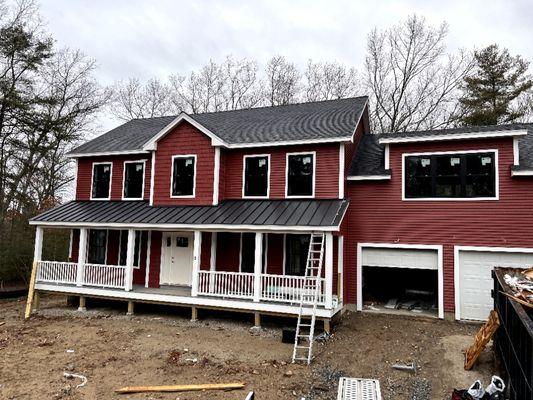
[(310, 294)]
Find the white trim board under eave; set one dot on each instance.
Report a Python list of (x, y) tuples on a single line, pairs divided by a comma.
[(369, 178), (458, 136), (440, 270)]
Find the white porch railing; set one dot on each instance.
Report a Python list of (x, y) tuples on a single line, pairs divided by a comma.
[(108, 276), (285, 288), (56, 272), (238, 285)]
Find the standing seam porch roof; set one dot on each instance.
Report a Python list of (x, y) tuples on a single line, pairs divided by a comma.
[(325, 214)]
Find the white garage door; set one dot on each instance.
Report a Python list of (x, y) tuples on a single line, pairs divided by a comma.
[(400, 258), (475, 281)]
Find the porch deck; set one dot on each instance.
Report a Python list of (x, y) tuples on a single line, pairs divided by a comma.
[(181, 296)]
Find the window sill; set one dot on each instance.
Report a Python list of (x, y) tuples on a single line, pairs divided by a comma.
[(452, 199)]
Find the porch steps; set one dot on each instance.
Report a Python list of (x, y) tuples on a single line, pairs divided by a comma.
[(305, 327)]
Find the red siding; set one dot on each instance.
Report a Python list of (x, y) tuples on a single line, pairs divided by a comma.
[(85, 169), (155, 260), (327, 170), (378, 214), (183, 140), (275, 254), (205, 256), (228, 251)]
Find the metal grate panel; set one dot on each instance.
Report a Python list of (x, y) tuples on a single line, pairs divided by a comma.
[(359, 389)]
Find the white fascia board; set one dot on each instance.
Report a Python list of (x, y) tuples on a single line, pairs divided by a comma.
[(152, 143), (524, 172), (458, 136), (107, 153), (188, 227), (288, 143), (369, 178)]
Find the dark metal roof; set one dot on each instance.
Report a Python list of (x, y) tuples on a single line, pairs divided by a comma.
[(369, 157), (254, 213), (331, 119)]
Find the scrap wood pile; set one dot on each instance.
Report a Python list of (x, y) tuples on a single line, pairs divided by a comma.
[(520, 284)]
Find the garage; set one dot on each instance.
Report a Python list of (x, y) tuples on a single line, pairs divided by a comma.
[(473, 280), (400, 278)]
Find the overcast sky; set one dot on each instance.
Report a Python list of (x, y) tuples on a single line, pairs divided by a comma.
[(134, 38)]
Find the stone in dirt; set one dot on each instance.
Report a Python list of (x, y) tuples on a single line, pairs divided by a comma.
[(289, 373)]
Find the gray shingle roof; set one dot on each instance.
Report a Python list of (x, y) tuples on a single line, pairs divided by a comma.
[(330, 119), (254, 213), (369, 157)]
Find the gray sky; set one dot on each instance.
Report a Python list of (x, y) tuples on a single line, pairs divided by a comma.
[(159, 37)]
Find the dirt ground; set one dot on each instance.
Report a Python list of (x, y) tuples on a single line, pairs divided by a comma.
[(162, 346)]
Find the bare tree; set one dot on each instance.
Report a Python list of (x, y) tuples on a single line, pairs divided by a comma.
[(133, 99), (282, 82), (242, 89), (330, 80), (414, 84)]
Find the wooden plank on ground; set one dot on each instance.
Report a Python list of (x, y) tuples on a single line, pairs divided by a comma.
[(31, 291), (180, 388), (481, 339)]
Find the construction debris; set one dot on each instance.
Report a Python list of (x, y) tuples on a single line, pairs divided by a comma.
[(521, 287), (357, 388), (180, 388), (481, 339), (405, 367), (78, 376)]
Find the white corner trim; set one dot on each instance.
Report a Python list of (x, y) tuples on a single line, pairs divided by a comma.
[(387, 157), (152, 143), (152, 176), (516, 152), (342, 166), (524, 172), (440, 271), (110, 181), (143, 162), (76, 179), (458, 152), (287, 155), (369, 178), (193, 180), (458, 136), (244, 158), (216, 176)]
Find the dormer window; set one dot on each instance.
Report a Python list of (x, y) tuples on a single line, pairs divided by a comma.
[(256, 176), (101, 181), (300, 175), (183, 176), (133, 187)]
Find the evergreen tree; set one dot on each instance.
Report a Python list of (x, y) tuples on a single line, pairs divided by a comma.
[(489, 92)]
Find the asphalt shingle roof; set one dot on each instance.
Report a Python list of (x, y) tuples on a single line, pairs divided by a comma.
[(369, 157), (282, 213), (329, 119)]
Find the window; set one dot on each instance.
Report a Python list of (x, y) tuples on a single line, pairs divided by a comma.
[(101, 185), (123, 248), (248, 252), (300, 175), (97, 249), (183, 176), (256, 176), (133, 180), (296, 251), (468, 175)]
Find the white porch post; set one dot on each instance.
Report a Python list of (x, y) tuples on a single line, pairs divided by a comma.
[(38, 250), (258, 265), (82, 256), (197, 253), (213, 261), (129, 260), (329, 271)]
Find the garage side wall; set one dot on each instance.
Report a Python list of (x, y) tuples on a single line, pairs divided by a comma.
[(377, 214)]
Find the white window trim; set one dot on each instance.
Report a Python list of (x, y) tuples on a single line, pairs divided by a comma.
[(88, 241), (244, 175), (143, 162), (458, 152), (110, 180), (152, 176), (440, 269), (313, 153), (138, 266), (193, 180)]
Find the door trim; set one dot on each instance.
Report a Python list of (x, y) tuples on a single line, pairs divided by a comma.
[(162, 259), (457, 265), (440, 273)]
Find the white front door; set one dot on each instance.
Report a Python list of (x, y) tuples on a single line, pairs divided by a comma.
[(475, 281), (176, 258)]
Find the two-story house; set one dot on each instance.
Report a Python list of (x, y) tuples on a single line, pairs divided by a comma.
[(215, 210)]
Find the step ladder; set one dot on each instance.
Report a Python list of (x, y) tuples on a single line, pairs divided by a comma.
[(310, 294)]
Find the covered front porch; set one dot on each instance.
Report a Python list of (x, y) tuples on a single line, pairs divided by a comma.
[(241, 268)]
